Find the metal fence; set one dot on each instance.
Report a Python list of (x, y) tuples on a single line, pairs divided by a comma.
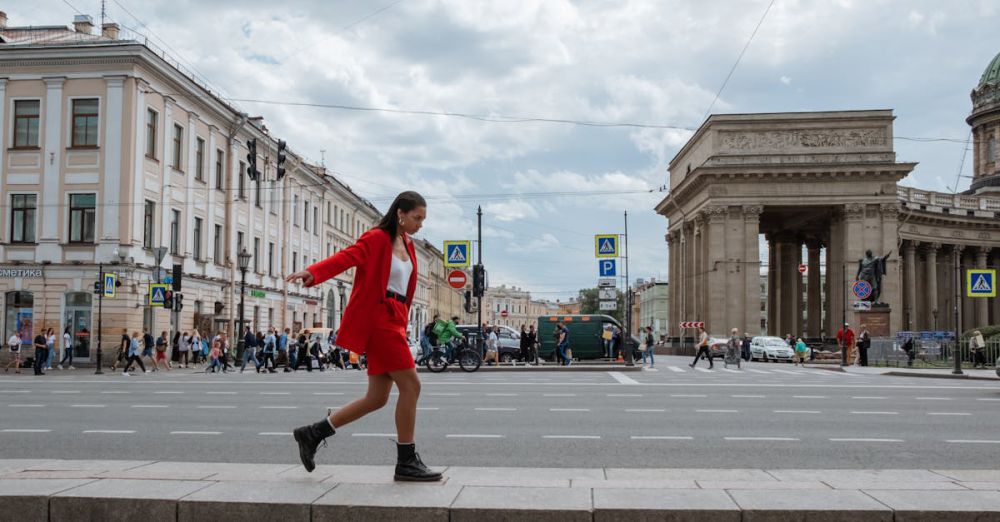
[(889, 351)]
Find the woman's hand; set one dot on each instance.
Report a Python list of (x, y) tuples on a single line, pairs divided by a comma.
[(303, 276)]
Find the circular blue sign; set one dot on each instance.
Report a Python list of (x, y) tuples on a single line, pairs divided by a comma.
[(862, 289)]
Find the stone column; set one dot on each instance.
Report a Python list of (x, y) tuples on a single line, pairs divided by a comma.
[(955, 288), (982, 303), (772, 279), (931, 282), (717, 302), (789, 296), (751, 268), (909, 292), (814, 291)]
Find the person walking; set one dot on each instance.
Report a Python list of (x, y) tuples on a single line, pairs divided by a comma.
[(492, 347), (270, 342), (196, 348), (67, 342), (562, 344), (14, 345), (524, 345), (745, 347), (122, 352), (911, 353), (864, 343), (283, 354), (800, 353), (385, 281), (302, 353), (148, 345), (133, 355), (249, 350), (215, 356), (703, 349), (531, 343), (976, 348), (648, 341), (41, 353), (50, 346)]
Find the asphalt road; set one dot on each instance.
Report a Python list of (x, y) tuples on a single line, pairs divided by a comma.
[(765, 415)]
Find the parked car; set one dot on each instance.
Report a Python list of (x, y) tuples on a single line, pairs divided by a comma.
[(510, 341), (717, 346), (770, 349), (585, 336)]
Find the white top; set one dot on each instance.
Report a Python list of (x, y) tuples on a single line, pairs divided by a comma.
[(14, 341), (492, 341), (399, 275), (67, 340)]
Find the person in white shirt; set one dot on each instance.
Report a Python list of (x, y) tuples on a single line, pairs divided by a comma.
[(67, 340), (14, 344), (183, 349), (50, 342), (195, 347), (493, 346)]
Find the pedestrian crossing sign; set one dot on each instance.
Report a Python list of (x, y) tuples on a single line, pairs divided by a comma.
[(110, 284), (157, 294), (981, 282), (456, 254), (606, 245)]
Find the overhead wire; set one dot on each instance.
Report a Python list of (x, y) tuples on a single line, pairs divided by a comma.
[(738, 58)]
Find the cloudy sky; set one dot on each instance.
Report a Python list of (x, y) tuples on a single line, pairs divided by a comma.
[(653, 62)]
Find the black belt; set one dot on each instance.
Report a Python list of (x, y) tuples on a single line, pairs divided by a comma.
[(393, 295)]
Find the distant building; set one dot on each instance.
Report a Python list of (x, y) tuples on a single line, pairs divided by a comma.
[(653, 300)]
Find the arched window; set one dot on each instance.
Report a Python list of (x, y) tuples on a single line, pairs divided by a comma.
[(18, 315)]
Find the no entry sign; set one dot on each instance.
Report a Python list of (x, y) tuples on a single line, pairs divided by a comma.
[(457, 279), (802, 268)]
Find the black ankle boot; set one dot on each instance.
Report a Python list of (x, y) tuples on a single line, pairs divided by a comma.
[(309, 438), (409, 467)]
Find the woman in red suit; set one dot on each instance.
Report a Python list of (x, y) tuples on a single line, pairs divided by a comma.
[(374, 324)]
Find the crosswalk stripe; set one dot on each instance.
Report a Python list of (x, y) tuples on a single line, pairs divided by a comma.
[(704, 370), (756, 371), (676, 369)]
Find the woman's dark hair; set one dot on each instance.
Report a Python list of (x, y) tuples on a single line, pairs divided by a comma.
[(405, 201)]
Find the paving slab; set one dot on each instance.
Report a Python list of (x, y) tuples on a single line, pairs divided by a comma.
[(934, 506), (242, 501), (86, 465), (814, 506), (664, 504), (520, 477), (763, 484), (68, 474), (21, 464), (627, 484), (489, 504), (971, 475), (858, 475), (26, 500), (122, 500), (168, 471), (896, 486), (253, 472), (380, 502), (640, 475), (981, 486), (350, 474)]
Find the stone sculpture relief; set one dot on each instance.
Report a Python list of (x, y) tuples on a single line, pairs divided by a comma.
[(810, 139)]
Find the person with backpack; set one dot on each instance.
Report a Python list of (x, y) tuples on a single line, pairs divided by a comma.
[(445, 332), (428, 339), (649, 347), (800, 353), (270, 342), (249, 350), (161, 352), (133, 355)]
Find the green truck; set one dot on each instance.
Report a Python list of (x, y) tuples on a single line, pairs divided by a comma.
[(585, 335)]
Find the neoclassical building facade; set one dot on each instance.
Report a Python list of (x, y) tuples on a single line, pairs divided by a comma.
[(822, 188)]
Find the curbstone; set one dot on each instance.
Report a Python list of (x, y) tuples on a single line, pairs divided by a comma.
[(27, 500), (384, 502), (489, 504), (122, 500), (814, 506), (664, 504), (935, 506), (242, 501)]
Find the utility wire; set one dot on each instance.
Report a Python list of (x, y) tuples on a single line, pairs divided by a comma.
[(738, 58)]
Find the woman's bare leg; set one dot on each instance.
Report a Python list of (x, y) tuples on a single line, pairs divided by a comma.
[(377, 396), (408, 384)]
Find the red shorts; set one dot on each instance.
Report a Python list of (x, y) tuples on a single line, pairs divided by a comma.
[(161, 356), (387, 350)]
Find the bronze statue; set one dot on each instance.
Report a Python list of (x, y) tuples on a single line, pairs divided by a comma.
[(871, 269)]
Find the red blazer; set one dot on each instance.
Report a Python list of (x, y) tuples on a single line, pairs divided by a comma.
[(372, 255)]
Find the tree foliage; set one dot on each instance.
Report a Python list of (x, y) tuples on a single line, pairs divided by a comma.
[(589, 304)]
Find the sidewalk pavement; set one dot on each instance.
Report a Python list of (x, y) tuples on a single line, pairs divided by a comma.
[(940, 373), (67, 490)]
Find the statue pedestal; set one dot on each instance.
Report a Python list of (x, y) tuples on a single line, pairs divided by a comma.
[(876, 319)]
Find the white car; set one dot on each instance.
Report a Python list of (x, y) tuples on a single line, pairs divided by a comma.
[(770, 349)]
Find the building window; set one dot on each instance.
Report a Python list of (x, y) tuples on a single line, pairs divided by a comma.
[(270, 258), (85, 112), (175, 232), (241, 183), (199, 160), (270, 316), (327, 212), (256, 254), (315, 220), (217, 245), (26, 123), (295, 262), (991, 149), (22, 218), (305, 215), (178, 139), (295, 210), (82, 215), (148, 217), (239, 242), (220, 160), (305, 261), (256, 196), (151, 117), (197, 238)]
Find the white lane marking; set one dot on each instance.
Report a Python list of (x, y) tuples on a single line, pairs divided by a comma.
[(808, 396), (115, 392), (215, 407), (279, 407), (875, 412), (781, 439), (933, 398), (496, 409), (687, 395), (150, 406), (569, 409), (440, 394), (644, 410), (26, 405), (622, 378), (748, 396), (427, 409), (660, 437), (988, 399), (196, 433), (703, 370), (676, 369), (624, 395), (65, 391), (275, 393), (88, 405), (717, 411), (796, 411), (328, 393), (17, 391), (275, 433), (789, 372), (115, 432), (221, 393), (471, 436), (24, 431), (556, 394), (866, 440), (948, 413), (501, 395), (868, 398), (756, 371), (571, 436), (169, 393), (959, 441), (373, 434)]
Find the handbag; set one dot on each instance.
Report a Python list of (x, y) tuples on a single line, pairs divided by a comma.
[(569, 353), (642, 348)]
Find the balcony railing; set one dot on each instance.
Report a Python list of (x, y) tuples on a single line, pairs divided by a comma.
[(913, 198)]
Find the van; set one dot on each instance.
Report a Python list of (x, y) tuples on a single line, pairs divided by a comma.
[(585, 338)]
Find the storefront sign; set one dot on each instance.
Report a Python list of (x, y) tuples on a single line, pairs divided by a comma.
[(20, 272), (310, 302), (257, 293)]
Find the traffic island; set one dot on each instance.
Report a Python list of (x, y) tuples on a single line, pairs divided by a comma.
[(191, 491)]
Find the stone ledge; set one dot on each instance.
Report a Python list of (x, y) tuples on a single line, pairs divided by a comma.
[(929, 375), (546, 368)]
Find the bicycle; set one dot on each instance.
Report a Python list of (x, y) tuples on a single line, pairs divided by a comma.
[(468, 358)]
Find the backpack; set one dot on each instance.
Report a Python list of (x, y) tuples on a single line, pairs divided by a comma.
[(430, 334)]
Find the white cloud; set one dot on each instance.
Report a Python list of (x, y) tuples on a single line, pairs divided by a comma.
[(786, 80)]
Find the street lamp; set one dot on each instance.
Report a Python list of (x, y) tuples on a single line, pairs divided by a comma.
[(244, 261), (340, 316)]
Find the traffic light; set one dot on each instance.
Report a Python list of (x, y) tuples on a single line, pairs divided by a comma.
[(467, 303), (479, 283), (98, 288), (178, 273), (252, 159), (178, 302), (168, 299), (219, 307), (281, 159)]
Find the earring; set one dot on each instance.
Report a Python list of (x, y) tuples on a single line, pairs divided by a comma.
[(400, 221)]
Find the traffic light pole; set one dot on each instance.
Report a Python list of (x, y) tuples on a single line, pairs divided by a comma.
[(479, 246), (629, 361), (100, 317)]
